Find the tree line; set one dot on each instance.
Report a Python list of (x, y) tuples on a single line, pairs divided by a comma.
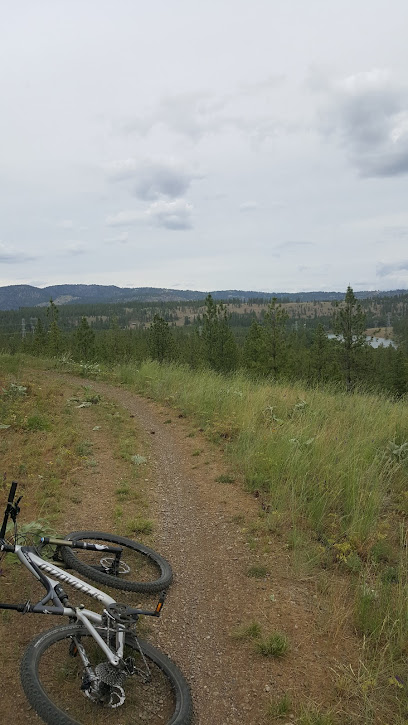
[(272, 346)]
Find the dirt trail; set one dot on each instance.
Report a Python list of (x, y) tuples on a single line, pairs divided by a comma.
[(208, 557), (198, 532), (204, 528)]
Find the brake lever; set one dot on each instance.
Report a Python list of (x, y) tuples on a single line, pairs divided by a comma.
[(14, 509)]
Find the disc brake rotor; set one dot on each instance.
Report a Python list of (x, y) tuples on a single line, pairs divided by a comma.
[(108, 561), (116, 697)]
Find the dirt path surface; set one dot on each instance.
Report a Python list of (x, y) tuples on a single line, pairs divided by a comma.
[(212, 593), (208, 531)]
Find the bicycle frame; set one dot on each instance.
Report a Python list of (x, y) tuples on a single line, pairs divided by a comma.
[(44, 570), (38, 566)]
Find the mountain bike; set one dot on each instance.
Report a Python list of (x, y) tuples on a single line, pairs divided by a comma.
[(95, 669)]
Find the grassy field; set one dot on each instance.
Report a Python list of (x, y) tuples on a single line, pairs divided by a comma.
[(330, 471)]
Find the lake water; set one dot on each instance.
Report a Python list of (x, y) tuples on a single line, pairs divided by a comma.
[(373, 341)]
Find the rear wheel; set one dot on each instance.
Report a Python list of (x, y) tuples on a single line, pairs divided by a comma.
[(52, 676), (140, 569)]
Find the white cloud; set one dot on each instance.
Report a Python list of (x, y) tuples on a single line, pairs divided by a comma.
[(124, 218), (65, 224), (171, 214), (249, 206), (198, 114), (74, 249), (122, 238), (176, 214)]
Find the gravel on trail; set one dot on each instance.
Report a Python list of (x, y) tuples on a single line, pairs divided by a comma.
[(211, 592)]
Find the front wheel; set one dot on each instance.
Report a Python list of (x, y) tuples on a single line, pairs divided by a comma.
[(52, 675), (140, 569)]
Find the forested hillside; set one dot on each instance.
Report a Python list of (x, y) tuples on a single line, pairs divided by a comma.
[(286, 340)]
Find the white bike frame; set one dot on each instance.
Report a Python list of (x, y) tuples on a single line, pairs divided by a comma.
[(40, 569)]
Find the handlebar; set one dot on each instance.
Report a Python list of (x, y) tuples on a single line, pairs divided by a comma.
[(5, 546), (9, 508)]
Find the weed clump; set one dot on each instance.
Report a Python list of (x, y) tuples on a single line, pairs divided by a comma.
[(258, 571), (274, 645), (248, 631), (139, 526)]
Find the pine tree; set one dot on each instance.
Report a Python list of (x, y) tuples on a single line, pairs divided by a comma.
[(54, 332), (399, 376), (349, 323), (40, 338), (160, 339), (220, 348), (319, 354), (255, 353), (84, 341), (275, 326)]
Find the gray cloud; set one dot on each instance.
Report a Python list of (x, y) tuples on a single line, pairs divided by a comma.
[(368, 113), (74, 249), (397, 232), (386, 269), (152, 179), (65, 224), (198, 114), (9, 256)]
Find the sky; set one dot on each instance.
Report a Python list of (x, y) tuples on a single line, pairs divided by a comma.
[(212, 145)]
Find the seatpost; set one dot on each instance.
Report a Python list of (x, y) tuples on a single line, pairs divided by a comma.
[(8, 509)]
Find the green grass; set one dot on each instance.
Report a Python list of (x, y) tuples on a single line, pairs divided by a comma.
[(273, 645), (225, 478), (252, 630), (257, 571), (312, 716), (329, 468), (280, 708), (139, 526)]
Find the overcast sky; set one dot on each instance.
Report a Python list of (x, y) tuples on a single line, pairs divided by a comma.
[(225, 144)]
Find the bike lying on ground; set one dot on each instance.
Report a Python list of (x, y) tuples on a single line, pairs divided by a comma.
[(95, 669)]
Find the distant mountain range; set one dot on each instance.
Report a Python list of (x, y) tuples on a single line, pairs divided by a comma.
[(15, 296)]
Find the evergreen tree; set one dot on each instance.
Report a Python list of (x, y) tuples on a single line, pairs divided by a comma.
[(113, 347), (160, 339), (275, 326), (319, 354), (54, 332), (255, 352), (84, 341), (193, 350), (220, 348), (350, 323), (40, 338), (399, 377)]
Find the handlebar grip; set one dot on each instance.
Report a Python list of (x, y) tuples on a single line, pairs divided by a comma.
[(5, 546), (12, 492)]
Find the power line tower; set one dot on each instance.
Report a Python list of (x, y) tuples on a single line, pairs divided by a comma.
[(23, 328)]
